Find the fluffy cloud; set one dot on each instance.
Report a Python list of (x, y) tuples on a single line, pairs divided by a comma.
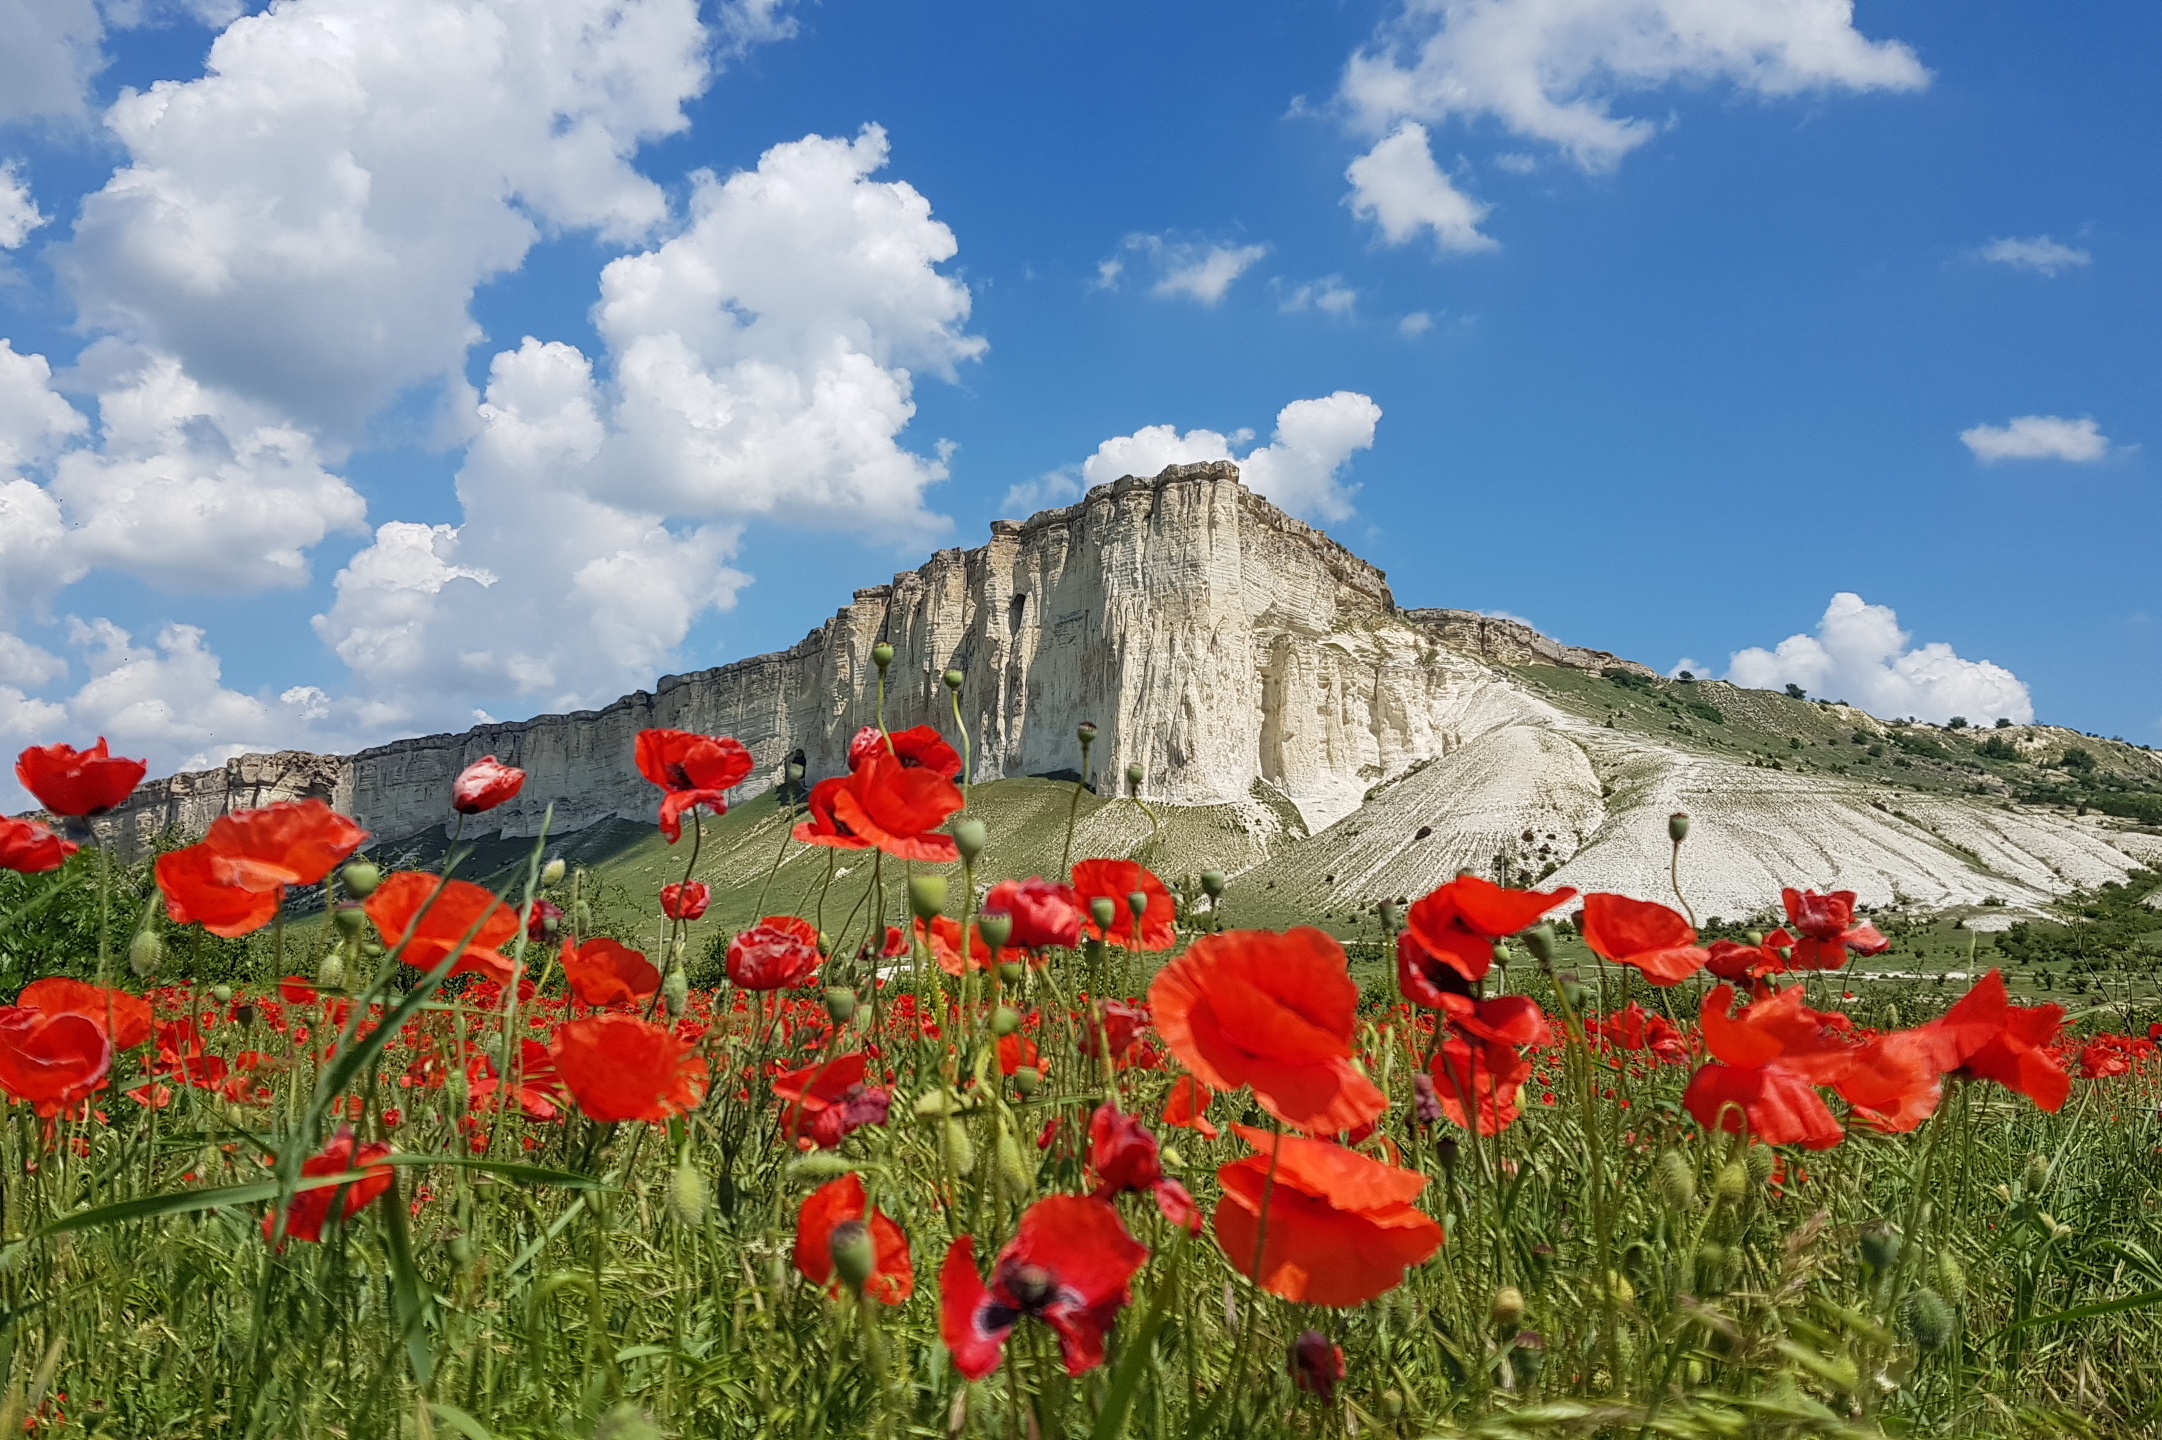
[(1551, 70), (1186, 269), (2038, 437), (2040, 253), (305, 225), (1398, 186), (1301, 468), (544, 596), (1330, 295), (52, 50), (19, 213), (1860, 654), (764, 358)]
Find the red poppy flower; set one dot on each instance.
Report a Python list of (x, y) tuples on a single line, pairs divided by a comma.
[(828, 1101), (1425, 978), (1017, 1050), (543, 920), (1068, 1265), (1504, 1019), (125, 1018), (1631, 1028), (694, 769), (898, 808), (1341, 1228), (942, 933), (823, 827), (485, 784), (1117, 1023), (780, 952), (1732, 960), (51, 1061), (1767, 1063), (1251, 1007), (1896, 1081), (2020, 1056), (308, 1212), (1126, 1160), (839, 1202), (431, 916), (1827, 929), (1316, 1366), (29, 848), (1479, 1079), (1650, 937), (618, 1067), (919, 747), (1458, 923), (1187, 1106), (1116, 880), (233, 882), (1044, 912), (539, 1087), (685, 899), (68, 781), (606, 972)]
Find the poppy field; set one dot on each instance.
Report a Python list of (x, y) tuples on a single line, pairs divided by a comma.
[(1064, 1155)]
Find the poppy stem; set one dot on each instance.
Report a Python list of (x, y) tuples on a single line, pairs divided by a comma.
[(788, 826), (1073, 806)]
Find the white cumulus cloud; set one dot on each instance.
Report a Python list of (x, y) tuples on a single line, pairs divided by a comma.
[(19, 213), (2038, 437), (49, 51), (1553, 70), (2039, 253), (1859, 654), (1402, 191), (305, 224), (1186, 269), (1330, 295), (1301, 468)]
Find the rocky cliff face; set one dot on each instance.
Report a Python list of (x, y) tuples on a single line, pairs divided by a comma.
[(1213, 639)]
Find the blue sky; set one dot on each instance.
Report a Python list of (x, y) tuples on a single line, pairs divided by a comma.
[(1816, 348)]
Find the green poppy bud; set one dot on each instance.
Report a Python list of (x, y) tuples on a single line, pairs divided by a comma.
[(1732, 1183), (996, 927), (1678, 827), (1927, 1319), (953, 679), (855, 1257), (1104, 910), (553, 872), (882, 654), (1950, 1277), (359, 878), (676, 991), (817, 1168), (626, 1422), (841, 1004), (1676, 1180), (1387, 911), (1539, 940), (350, 919), (1009, 971), (687, 1195), (1760, 1160), (1137, 902), (330, 974), (1005, 1020), (1576, 992), (1027, 1079), (955, 1148), (2036, 1180), (145, 952), (1212, 884), (1392, 1404), (223, 994), (927, 895), (969, 837), (1013, 1172)]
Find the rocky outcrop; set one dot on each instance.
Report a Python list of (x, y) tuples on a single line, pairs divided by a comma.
[(1214, 640)]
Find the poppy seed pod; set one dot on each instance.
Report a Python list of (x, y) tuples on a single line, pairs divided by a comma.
[(854, 1254), (1134, 776), (882, 654), (927, 895), (359, 879), (841, 1004), (1086, 730), (350, 919), (144, 953), (331, 973), (1027, 1079), (1104, 910), (1005, 1020), (1530, 1356), (553, 872), (1576, 992), (1137, 903), (1212, 884), (1539, 940), (1678, 827), (1879, 1246), (1009, 971), (969, 837), (1507, 1310), (953, 679), (996, 928), (223, 994)]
